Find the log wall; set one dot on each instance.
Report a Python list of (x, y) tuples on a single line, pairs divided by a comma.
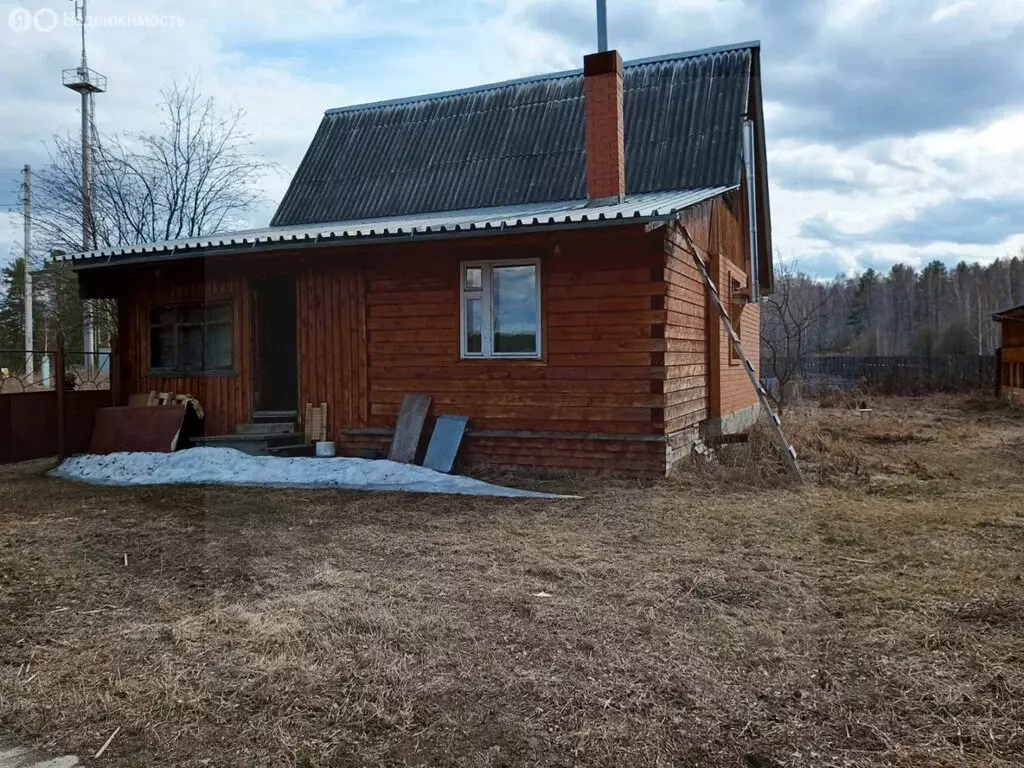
[(718, 227), (1011, 361), (332, 340), (602, 321), (703, 378), (687, 386)]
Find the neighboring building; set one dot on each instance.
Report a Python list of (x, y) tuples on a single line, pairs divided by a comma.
[(514, 250), (1010, 355)]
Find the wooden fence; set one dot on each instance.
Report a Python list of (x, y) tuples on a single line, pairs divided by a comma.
[(54, 422), (896, 375)]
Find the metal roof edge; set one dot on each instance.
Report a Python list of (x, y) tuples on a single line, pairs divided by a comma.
[(99, 262), (752, 44), (456, 92), (1013, 313), (490, 220)]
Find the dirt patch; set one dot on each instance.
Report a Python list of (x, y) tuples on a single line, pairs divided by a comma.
[(717, 618)]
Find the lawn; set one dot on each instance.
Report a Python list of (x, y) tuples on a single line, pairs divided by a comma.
[(874, 617)]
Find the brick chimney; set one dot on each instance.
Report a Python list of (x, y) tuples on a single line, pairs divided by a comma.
[(605, 136)]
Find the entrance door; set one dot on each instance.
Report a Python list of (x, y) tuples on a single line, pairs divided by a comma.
[(276, 353)]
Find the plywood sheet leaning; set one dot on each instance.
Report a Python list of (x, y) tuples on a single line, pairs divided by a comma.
[(445, 443), (138, 429), (409, 430)]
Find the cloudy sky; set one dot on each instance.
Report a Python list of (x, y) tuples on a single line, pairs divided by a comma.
[(895, 127)]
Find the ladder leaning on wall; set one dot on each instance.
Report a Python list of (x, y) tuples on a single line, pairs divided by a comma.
[(788, 452)]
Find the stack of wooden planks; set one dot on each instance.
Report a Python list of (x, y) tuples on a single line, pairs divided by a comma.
[(165, 398), (315, 423)]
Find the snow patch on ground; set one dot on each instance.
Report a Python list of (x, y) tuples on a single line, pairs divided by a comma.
[(226, 466)]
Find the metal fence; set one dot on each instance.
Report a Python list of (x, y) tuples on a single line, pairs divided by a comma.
[(895, 375), (36, 425), (82, 372), (48, 400)]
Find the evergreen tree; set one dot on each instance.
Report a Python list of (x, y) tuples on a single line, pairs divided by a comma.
[(906, 312), (12, 316)]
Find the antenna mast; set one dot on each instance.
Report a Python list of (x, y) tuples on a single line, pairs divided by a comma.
[(602, 26), (87, 83)]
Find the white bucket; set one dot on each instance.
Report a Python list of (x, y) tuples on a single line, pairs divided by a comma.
[(325, 450)]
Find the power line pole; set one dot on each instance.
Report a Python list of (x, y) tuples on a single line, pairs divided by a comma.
[(88, 332), (29, 325), (87, 83)]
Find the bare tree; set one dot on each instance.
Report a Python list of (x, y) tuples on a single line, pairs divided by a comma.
[(792, 326), (195, 176)]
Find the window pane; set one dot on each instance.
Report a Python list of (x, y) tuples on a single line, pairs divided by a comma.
[(474, 326), (161, 347), (162, 316), (192, 315), (219, 313), (515, 309), (190, 347), (474, 278), (218, 347)]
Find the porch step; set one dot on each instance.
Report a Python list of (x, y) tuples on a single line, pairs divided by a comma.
[(299, 449), (275, 417), (255, 445), (268, 428)]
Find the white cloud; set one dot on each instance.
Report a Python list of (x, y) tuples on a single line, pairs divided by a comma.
[(879, 183), (949, 11), (843, 14), (978, 19)]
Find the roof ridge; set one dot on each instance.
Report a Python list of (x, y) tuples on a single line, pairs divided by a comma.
[(539, 78)]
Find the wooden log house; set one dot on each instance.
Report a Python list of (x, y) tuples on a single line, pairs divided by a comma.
[(518, 251), (1010, 356)]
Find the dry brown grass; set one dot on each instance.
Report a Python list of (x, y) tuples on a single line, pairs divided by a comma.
[(719, 618)]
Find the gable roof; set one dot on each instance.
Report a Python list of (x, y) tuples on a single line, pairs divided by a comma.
[(522, 141)]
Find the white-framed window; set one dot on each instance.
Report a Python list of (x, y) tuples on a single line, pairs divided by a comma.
[(501, 309)]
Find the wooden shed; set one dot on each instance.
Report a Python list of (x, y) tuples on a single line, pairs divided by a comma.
[(1010, 363), (523, 252)]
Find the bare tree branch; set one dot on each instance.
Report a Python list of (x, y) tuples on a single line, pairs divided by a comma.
[(791, 325), (196, 175)]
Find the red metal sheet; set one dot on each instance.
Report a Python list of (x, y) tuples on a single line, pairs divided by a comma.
[(153, 429)]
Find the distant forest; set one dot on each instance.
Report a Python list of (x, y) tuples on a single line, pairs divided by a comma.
[(934, 311)]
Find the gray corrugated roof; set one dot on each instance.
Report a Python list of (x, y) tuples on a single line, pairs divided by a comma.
[(480, 221), (522, 142)]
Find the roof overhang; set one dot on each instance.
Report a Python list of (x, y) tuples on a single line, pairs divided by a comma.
[(1016, 313), (766, 257), (483, 222)]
